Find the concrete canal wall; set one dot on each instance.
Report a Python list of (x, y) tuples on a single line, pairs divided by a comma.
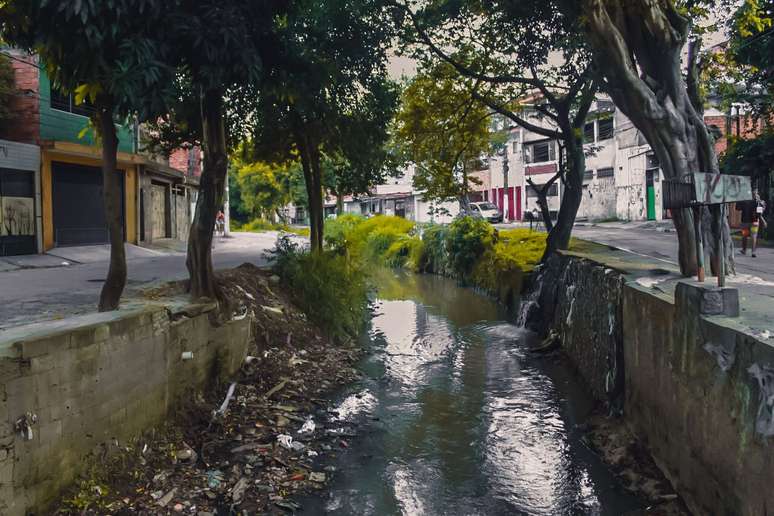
[(698, 389), (69, 387)]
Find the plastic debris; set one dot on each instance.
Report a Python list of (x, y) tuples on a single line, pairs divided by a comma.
[(238, 491), (288, 504), (307, 427), (285, 441), (317, 477), (224, 405), (214, 478), (164, 500), (23, 425)]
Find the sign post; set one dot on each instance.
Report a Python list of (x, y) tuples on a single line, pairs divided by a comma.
[(698, 190)]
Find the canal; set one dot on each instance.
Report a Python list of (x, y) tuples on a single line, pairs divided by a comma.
[(454, 416)]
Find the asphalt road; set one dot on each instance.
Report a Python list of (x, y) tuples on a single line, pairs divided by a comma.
[(663, 246), (30, 295)]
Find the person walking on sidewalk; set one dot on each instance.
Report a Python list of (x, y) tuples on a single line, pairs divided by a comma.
[(752, 220), (220, 223)]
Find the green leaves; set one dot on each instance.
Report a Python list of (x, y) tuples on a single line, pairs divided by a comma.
[(444, 131)]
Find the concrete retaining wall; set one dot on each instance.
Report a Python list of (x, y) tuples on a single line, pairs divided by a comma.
[(699, 390), (95, 379)]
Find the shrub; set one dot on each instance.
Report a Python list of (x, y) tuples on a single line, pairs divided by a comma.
[(332, 291), (433, 257), (467, 241), (338, 231), (366, 239), (405, 251)]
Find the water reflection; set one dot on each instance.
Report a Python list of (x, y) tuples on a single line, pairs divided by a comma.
[(461, 420)]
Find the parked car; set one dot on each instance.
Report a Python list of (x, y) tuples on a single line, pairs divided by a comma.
[(486, 211)]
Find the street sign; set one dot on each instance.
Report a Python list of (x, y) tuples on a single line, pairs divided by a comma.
[(705, 190), (721, 188), (698, 190)]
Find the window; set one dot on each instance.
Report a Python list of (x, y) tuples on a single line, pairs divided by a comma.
[(588, 132), (605, 128), (651, 161), (540, 151), (515, 146), (553, 191), (63, 102), (605, 172), (589, 174)]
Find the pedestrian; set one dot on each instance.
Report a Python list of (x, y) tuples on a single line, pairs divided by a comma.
[(752, 220), (220, 223)]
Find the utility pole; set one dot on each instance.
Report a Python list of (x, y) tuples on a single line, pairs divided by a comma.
[(505, 183)]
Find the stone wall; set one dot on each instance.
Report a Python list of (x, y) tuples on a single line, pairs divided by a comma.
[(95, 379), (698, 389), (580, 301)]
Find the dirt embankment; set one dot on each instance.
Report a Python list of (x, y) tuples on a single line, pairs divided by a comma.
[(238, 448)]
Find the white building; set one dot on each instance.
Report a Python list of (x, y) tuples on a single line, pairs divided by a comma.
[(622, 178)]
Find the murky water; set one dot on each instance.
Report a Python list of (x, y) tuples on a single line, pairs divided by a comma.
[(454, 417)]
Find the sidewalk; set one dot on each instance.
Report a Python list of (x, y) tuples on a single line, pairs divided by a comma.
[(67, 281)]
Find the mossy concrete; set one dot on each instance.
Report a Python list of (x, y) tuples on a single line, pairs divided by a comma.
[(696, 388)]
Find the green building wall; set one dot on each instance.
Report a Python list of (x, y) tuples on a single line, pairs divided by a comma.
[(63, 126)]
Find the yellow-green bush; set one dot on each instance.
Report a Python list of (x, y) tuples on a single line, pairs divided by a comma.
[(468, 249), (368, 239)]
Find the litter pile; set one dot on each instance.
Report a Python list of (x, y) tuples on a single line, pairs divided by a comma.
[(244, 447)]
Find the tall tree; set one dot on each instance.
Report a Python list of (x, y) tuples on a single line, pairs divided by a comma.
[(105, 51), (220, 48), (638, 45), (533, 68), (328, 77), (445, 131)]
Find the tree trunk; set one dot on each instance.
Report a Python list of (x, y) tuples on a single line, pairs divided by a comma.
[(316, 205), (638, 46), (211, 191), (111, 192), (339, 203), (464, 199), (310, 163), (559, 236)]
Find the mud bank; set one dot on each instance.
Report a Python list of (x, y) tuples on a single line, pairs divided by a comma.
[(245, 444)]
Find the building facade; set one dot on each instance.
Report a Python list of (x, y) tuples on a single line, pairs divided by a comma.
[(51, 172)]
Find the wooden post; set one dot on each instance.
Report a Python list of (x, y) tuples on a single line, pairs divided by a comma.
[(697, 212)]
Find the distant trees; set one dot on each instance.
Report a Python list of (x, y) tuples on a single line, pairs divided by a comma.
[(444, 131), (530, 65)]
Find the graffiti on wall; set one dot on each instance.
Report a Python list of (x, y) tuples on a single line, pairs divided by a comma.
[(17, 216)]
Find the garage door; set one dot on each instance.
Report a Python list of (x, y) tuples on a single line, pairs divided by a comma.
[(17, 212), (79, 213)]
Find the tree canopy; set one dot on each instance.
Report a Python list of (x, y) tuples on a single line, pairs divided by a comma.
[(445, 132)]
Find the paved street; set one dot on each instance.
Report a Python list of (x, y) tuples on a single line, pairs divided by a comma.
[(53, 290), (653, 241)]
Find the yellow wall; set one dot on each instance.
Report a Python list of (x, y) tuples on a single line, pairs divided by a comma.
[(89, 158)]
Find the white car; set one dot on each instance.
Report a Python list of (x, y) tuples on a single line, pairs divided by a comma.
[(486, 210)]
